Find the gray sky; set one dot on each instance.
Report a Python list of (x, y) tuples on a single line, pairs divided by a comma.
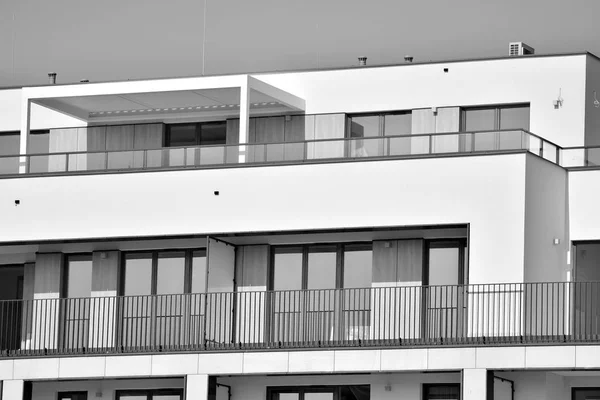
[(122, 39)]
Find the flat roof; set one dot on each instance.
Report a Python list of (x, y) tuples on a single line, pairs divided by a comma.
[(307, 70)]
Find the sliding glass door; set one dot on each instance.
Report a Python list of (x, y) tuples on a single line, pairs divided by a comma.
[(308, 305), (444, 297)]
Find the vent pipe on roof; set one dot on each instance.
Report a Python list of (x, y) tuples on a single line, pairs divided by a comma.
[(408, 59), (52, 78), (362, 61)]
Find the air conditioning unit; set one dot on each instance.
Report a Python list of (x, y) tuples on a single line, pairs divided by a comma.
[(519, 49)]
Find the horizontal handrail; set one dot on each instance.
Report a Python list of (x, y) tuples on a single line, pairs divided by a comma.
[(273, 153), (474, 314)]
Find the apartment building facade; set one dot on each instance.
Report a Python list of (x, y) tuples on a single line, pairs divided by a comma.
[(416, 231)]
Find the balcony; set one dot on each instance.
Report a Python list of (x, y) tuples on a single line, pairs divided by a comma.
[(472, 315), (291, 152)]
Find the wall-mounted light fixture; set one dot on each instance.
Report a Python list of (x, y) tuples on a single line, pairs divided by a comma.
[(559, 101), (556, 241), (596, 102)]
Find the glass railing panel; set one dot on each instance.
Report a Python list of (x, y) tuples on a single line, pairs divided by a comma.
[(9, 165), (511, 140), (154, 158), (293, 151), (274, 152), (486, 141), (57, 162), (398, 146), (212, 155), (535, 145), (366, 147), (96, 161), (549, 151), (174, 157), (326, 149), (445, 144), (256, 153), (121, 159), (572, 158)]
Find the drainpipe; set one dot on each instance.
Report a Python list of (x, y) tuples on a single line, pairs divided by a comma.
[(512, 386)]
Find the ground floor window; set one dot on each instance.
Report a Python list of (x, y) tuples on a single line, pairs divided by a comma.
[(344, 392), (586, 393), (72, 395), (441, 391), (156, 394)]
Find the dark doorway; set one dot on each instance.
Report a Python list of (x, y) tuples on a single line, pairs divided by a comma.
[(11, 306)]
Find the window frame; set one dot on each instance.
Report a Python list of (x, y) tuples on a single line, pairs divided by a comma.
[(426, 386), (497, 108), (149, 393), (64, 291), (197, 132), (306, 248), (303, 389), (381, 127), (187, 274), (72, 393)]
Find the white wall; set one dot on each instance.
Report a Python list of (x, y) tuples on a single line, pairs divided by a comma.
[(545, 220), (41, 117), (534, 80), (486, 192), (404, 386), (584, 205)]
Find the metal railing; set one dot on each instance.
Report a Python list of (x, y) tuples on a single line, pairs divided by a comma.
[(417, 145), (476, 315)]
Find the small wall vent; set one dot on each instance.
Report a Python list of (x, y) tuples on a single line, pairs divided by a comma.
[(362, 61), (519, 49)]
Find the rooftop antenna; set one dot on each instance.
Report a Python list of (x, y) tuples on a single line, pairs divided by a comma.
[(204, 39)]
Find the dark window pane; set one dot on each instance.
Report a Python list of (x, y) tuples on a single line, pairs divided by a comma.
[(171, 272), (441, 392), (359, 392), (288, 269), (199, 272), (514, 118), (213, 133), (480, 120), (138, 274), (365, 127), (181, 135), (358, 267), (9, 145), (79, 280), (398, 124), (322, 267)]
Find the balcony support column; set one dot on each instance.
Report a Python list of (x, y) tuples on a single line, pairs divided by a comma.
[(477, 384), (196, 387), (244, 119), (25, 128), (13, 389)]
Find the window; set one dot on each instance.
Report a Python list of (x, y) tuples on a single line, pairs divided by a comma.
[(196, 134), (319, 266), (495, 118), (375, 126), (9, 146), (157, 394), (484, 120), (164, 272), (306, 305), (346, 392), (78, 290), (441, 391), (168, 275), (72, 395)]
